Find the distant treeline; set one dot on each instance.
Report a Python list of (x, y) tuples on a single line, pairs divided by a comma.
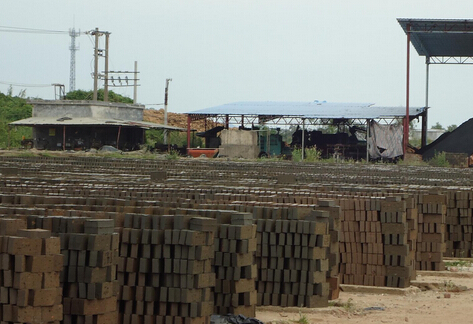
[(13, 108)]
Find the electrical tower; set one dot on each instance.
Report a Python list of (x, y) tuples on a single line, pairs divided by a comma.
[(73, 48)]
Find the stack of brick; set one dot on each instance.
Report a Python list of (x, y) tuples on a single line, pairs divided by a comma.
[(334, 213), (292, 259), (165, 270), (431, 238), (397, 257), (30, 290), (459, 223), (235, 265), (361, 243), (413, 228), (89, 276)]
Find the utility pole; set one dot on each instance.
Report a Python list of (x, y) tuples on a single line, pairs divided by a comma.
[(73, 48), (96, 62), (105, 90), (166, 110), (135, 84), (98, 52)]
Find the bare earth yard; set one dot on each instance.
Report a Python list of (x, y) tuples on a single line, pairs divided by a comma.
[(445, 303)]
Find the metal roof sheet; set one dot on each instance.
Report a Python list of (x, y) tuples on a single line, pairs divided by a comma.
[(88, 121), (313, 109), (440, 37)]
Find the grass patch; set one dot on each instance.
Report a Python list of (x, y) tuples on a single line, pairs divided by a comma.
[(458, 263), (439, 160), (172, 155), (311, 155), (348, 306), (302, 319)]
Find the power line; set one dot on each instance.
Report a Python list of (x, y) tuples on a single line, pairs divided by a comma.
[(26, 85), (9, 29)]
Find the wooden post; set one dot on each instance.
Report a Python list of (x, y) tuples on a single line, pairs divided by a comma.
[(118, 136)]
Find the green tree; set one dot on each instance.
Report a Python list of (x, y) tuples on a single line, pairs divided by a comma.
[(88, 95), (437, 126), (451, 128), (13, 108)]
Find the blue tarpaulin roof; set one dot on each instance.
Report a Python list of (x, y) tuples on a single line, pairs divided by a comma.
[(312, 109)]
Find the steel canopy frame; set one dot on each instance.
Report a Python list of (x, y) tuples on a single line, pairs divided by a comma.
[(441, 41), (284, 120), (271, 120)]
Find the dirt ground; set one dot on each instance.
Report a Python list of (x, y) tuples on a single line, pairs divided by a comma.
[(446, 300)]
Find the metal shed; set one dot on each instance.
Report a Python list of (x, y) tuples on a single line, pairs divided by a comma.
[(441, 41), (272, 113)]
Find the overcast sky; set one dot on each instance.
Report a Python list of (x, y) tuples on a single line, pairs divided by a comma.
[(222, 51)]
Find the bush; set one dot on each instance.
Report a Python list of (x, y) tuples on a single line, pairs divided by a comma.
[(311, 155), (297, 155), (439, 160)]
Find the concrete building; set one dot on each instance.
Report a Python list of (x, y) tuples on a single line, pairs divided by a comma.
[(432, 134), (77, 125)]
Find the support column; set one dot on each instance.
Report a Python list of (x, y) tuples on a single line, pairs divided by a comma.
[(424, 129), (188, 131), (9, 136), (118, 136), (367, 140), (406, 119), (423, 141), (227, 121), (303, 137)]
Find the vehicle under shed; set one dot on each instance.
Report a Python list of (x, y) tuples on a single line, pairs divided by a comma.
[(382, 126)]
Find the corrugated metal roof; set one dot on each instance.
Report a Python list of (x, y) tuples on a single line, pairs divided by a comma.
[(313, 109), (440, 37), (88, 121)]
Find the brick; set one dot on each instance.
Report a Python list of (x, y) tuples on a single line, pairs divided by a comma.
[(92, 307), (99, 242), (27, 280), (203, 224), (10, 226), (27, 314), (44, 297), (244, 285), (24, 246), (52, 313), (34, 233), (78, 242), (44, 263), (50, 280)]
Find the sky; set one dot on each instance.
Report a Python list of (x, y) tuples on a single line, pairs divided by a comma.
[(220, 51)]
